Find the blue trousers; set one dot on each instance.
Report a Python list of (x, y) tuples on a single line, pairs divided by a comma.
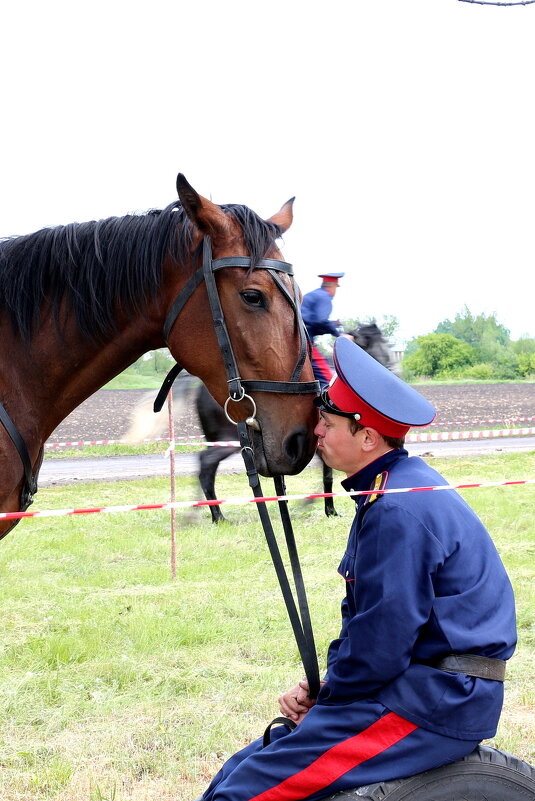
[(333, 748)]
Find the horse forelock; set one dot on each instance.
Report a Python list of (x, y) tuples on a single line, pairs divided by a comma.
[(259, 235)]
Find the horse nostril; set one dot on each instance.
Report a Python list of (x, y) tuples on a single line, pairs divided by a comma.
[(295, 445)]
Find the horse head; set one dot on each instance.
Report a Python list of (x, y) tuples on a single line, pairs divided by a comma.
[(79, 303), (254, 323), (370, 338)]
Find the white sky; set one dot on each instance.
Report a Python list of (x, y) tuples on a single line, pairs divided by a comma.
[(404, 128)]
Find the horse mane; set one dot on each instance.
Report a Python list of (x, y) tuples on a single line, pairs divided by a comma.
[(99, 268)]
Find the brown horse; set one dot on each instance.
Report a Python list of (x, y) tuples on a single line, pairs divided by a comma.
[(80, 303)]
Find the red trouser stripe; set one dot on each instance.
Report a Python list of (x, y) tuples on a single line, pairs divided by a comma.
[(341, 758), (322, 364)]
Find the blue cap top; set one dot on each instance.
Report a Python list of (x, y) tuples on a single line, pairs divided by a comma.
[(366, 390)]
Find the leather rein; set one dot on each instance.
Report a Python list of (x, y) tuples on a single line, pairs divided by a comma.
[(238, 391)]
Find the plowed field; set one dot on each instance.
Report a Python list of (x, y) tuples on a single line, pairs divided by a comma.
[(107, 414)]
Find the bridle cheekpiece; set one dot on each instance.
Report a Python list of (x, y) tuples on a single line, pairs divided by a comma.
[(239, 388)]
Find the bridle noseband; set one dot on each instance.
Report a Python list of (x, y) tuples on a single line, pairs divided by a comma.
[(238, 387)]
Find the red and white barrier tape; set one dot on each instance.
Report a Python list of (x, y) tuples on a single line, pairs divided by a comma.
[(483, 422), (439, 436), (240, 501), (182, 440), (79, 443), (222, 444)]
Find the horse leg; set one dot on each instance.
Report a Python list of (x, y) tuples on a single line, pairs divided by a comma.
[(330, 511), (209, 460)]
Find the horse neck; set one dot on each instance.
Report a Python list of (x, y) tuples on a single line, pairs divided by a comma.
[(43, 383)]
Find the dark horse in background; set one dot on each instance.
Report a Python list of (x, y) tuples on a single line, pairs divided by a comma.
[(80, 303), (217, 427)]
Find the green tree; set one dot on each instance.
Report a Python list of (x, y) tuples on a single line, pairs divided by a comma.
[(489, 338), (154, 361), (526, 364), (438, 354), (524, 345), (480, 332)]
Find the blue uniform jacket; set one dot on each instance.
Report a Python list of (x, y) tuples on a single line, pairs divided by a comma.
[(315, 310), (423, 580)]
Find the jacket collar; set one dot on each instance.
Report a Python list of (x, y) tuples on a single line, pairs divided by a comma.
[(363, 479)]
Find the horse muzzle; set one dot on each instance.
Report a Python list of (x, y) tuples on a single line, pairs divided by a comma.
[(275, 457)]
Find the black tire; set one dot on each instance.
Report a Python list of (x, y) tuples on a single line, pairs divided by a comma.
[(484, 775)]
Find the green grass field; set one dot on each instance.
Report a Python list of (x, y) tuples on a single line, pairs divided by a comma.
[(117, 682)]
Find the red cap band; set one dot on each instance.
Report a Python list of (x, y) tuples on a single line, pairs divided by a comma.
[(348, 401)]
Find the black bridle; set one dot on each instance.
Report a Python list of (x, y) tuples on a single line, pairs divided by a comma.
[(29, 482), (237, 386), (238, 391)]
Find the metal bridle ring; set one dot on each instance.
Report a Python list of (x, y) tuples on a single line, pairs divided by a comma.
[(229, 418)]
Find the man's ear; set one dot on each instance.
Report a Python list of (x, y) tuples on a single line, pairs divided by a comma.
[(371, 439)]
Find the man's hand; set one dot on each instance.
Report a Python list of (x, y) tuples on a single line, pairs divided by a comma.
[(295, 703)]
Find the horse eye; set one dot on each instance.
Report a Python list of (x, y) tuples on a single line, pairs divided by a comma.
[(253, 298)]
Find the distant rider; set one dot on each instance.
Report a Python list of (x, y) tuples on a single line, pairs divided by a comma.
[(316, 310)]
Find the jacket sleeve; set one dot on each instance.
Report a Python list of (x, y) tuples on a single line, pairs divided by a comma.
[(335, 644), (325, 327), (394, 566), (316, 309)]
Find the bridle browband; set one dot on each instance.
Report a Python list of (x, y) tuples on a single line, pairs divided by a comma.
[(237, 386)]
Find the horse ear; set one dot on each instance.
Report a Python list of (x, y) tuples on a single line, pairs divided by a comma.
[(207, 216), (284, 217)]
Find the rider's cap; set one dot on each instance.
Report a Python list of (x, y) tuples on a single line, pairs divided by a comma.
[(331, 278), (371, 394)]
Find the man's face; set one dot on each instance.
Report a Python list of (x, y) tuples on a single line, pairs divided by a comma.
[(340, 449)]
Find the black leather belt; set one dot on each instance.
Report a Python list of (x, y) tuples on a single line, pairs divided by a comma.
[(482, 667)]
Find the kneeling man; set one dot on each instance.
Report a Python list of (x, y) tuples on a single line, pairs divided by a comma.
[(415, 678)]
